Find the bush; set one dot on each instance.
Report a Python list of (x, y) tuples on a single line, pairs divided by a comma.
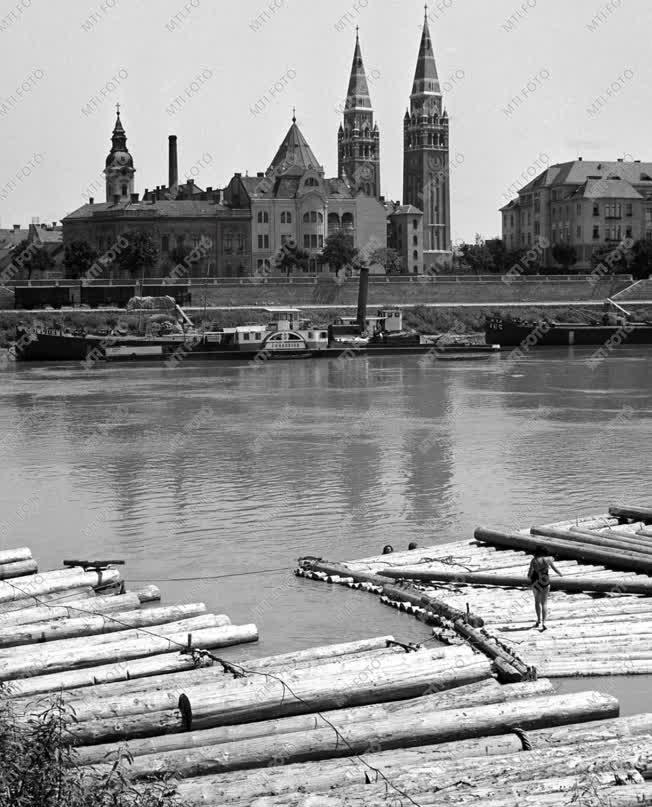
[(39, 766)]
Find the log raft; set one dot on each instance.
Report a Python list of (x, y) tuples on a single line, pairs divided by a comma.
[(306, 727)]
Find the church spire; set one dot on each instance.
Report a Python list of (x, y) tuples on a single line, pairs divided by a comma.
[(119, 166), (426, 79), (359, 138), (357, 96)]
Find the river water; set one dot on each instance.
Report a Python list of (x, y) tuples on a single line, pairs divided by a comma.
[(232, 471)]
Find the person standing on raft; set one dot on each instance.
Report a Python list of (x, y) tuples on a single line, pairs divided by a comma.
[(539, 576)]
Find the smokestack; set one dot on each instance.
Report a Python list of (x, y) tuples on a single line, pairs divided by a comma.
[(363, 295), (173, 179)]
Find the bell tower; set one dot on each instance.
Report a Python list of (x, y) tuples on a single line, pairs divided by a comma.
[(119, 167), (426, 175), (359, 137)]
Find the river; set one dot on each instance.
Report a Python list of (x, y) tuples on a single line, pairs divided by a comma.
[(231, 471)]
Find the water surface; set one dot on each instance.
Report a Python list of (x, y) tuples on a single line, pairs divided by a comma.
[(233, 471)]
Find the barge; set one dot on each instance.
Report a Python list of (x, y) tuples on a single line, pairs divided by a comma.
[(170, 336)]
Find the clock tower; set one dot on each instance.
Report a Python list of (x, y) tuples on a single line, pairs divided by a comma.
[(426, 175), (119, 168)]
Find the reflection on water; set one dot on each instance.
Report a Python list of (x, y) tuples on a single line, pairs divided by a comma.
[(219, 469)]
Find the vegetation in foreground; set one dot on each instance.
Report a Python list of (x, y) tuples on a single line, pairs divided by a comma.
[(39, 767)]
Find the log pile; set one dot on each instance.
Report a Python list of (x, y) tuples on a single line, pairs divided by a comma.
[(346, 724), (600, 616)]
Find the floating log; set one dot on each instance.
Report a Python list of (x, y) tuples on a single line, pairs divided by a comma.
[(15, 555), (637, 513), (149, 594), (18, 568), (429, 727), (574, 584), (317, 653), (481, 693), (85, 655), (578, 668), (97, 605), (270, 698), (332, 775), (132, 670), (566, 549), (620, 546), (56, 598), (94, 624), (60, 646), (47, 583)]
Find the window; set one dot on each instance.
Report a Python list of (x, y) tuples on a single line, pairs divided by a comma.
[(124, 190), (629, 209), (579, 233), (263, 242), (416, 270), (596, 210), (241, 243), (263, 217), (537, 228), (100, 244), (228, 243), (313, 241), (165, 243), (415, 255), (628, 232), (613, 210), (246, 337), (311, 182), (321, 241), (306, 242), (596, 233), (579, 209), (415, 224), (180, 240), (286, 217), (415, 240)]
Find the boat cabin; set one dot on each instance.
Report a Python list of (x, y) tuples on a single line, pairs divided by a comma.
[(388, 320), (284, 319)]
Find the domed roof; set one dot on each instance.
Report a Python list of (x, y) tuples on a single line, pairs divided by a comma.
[(119, 159)]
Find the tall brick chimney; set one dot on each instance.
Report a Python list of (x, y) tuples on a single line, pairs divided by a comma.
[(173, 178)]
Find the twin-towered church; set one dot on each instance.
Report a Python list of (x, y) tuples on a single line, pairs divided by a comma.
[(248, 222)]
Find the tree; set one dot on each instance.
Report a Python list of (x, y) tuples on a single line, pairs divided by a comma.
[(339, 251), (641, 264), (290, 257), (565, 255), (477, 257), (79, 257), (140, 256), (499, 255), (389, 259), (32, 258)]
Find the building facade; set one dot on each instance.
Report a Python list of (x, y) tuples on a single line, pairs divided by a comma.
[(426, 165), (585, 204), (293, 202)]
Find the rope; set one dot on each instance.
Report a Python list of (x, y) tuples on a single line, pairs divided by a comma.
[(212, 577), (522, 736), (238, 671)]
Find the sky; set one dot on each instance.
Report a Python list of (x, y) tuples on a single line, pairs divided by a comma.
[(521, 80)]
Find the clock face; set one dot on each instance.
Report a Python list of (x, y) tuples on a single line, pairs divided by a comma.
[(436, 162), (122, 159)]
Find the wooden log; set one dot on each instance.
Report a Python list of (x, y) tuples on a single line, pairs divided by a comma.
[(620, 546), (123, 650), (316, 653), (574, 584), (93, 624), (567, 549), (481, 693), (62, 646), (149, 594), (394, 732), (90, 677), (18, 568), (494, 651), (15, 555), (270, 699), (215, 674), (167, 697), (637, 513), (579, 668), (97, 605), (55, 597), (334, 775), (607, 538), (47, 583)]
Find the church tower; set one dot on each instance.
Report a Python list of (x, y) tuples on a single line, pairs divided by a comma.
[(359, 137), (119, 170), (426, 176)]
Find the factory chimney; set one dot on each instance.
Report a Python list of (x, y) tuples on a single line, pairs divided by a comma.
[(173, 178)]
